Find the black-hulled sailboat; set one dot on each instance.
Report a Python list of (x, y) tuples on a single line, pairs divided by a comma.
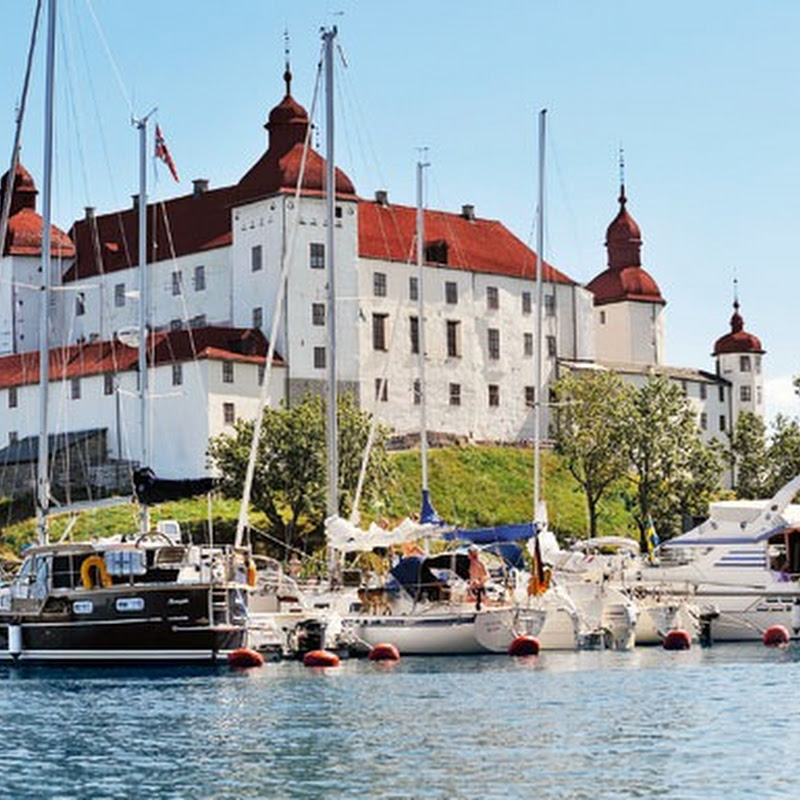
[(137, 597)]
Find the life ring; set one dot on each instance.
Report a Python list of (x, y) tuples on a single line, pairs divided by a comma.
[(104, 579)]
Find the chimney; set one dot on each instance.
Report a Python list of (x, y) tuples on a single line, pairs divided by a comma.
[(382, 197), (89, 213), (199, 186), (468, 212)]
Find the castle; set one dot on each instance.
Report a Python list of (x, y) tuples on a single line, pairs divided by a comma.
[(214, 262)]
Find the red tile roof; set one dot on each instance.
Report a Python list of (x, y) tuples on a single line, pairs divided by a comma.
[(388, 232), (184, 225), (166, 347)]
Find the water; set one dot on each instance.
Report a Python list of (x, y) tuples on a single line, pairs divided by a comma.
[(716, 723)]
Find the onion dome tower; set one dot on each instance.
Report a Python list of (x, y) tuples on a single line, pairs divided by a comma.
[(278, 170), (629, 323), (739, 360)]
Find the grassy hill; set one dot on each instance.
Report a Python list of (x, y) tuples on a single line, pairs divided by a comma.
[(470, 486)]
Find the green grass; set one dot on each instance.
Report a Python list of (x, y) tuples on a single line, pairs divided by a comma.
[(473, 486)]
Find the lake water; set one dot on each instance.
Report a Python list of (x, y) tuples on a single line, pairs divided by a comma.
[(722, 722)]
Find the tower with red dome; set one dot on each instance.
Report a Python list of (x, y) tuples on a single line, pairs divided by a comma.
[(739, 361), (628, 306)]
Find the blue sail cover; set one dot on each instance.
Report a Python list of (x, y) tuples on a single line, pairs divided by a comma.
[(427, 514), (501, 533)]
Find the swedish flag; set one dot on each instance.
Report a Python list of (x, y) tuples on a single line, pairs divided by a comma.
[(651, 539)]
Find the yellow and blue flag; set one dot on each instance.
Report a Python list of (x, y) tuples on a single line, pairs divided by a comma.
[(651, 539)]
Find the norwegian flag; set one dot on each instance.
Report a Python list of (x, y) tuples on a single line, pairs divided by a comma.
[(163, 153)]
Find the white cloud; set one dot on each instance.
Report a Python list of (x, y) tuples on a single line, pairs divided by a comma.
[(780, 397)]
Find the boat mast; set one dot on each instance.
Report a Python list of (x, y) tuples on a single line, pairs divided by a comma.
[(42, 478), (539, 387), (427, 512), (328, 37), (141, 125)]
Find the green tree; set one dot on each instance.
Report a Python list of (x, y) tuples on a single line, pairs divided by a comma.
[(783, 452), (665, 449), (290, 479), (747, 454), (592, 408)]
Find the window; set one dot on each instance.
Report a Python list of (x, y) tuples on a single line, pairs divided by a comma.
[(177, 282), (455, 394), (530, 396), (757, 360), (227, 371), (379, 331), (13, 437), (177, 374), (413, 288), (379, 284), (75, 388), (527, 344), (746, 394), (80, 304), (417, 391), (494, 343), (602, 317), (119, 295), (744, 363), (492, 298), (228, 413), (722, 394), (108, 383), (453, 338), (494, 395), (13, 399), (317, 255), (319, 358), (551, 346), (703, 421), (759, 398), (381, 390), (413, 332), (722, 423), (550, 305), (258, 317), (262, 371), (318, 313), (451, 292), (526, 302), (256, 258), (703, 391), (200, 278), (175, 325), (198, 321)]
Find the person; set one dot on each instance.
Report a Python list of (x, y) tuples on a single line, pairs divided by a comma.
[(478, 576)]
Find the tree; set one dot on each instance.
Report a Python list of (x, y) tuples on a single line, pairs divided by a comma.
[(665, 452), (290, 479), (748, 457), (592, 407), (783, 452)]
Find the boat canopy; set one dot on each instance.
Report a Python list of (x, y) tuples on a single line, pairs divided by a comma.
[(150, 489), (516, 532)]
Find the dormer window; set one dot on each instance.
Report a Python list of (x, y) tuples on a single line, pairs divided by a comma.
[(436, 251)]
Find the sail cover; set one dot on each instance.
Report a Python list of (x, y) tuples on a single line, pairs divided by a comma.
[(150, 489)]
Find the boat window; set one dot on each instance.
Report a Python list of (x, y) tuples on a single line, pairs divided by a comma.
[(125, 563)]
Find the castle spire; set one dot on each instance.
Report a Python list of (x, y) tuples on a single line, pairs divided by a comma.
[(287, 74)]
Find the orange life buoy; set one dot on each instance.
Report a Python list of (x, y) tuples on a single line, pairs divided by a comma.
[(251, 573), (103, 578)]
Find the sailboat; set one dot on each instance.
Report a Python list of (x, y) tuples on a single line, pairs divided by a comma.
[(134, 597)]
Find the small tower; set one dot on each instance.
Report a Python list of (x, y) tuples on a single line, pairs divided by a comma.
[(628, 306), (738, 355)]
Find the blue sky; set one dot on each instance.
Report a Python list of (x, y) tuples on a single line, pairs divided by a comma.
[(702, 97)]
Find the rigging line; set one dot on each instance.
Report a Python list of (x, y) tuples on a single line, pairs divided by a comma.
[(4, 214), (110, 56), (264, 397)]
